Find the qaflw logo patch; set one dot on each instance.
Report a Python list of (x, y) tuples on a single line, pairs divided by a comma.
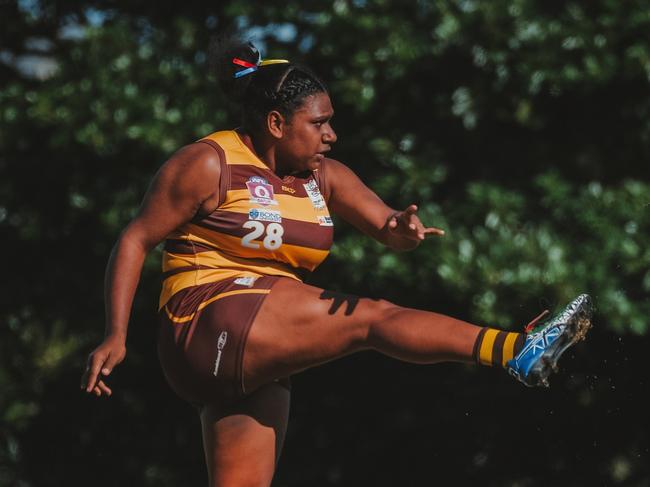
[(261, 191), (221, 342)]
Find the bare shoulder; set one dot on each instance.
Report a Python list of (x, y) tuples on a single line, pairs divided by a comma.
[(333, 166), (330, 171), (338, 177), (194, 168), (195, 157)]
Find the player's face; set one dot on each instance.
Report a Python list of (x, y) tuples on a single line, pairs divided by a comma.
[(308, 135)]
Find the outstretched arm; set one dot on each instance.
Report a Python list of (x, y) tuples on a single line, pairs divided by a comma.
[(187, 184), (360, 206)]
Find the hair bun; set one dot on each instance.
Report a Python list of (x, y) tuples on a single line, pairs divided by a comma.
[(279, 85), (222, 52)]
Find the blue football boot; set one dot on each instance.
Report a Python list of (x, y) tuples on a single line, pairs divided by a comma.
[(546, 344)]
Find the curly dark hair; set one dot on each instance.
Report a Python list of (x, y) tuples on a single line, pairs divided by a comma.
[(282, 87)]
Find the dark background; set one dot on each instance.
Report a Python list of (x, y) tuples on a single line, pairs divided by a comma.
[(521, 128)]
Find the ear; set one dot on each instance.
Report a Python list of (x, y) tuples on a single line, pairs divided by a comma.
[(276, 124)]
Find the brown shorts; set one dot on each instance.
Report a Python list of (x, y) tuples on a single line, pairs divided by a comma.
[(202, 335)]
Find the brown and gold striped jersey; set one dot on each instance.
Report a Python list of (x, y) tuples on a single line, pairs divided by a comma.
[(264, 225)]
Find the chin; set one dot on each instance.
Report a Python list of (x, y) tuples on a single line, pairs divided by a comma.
[(317, 161)]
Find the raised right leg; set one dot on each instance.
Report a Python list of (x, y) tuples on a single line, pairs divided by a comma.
[(300, 326)]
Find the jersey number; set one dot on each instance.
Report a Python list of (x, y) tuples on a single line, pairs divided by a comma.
[(272, 240)]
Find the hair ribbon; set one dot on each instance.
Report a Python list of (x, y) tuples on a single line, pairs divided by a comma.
[(252, 67)]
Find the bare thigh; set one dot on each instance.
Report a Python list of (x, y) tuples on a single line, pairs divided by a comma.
[(299, 326), (242, 443)]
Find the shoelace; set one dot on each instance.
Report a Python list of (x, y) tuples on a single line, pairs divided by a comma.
[(529, 327)]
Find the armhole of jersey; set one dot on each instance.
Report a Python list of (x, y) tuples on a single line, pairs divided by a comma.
[(224, 180), (321, 180)]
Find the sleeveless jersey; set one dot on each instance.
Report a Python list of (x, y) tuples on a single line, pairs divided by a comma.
[(263, 225)]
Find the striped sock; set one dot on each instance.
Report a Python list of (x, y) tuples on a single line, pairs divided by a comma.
[(496, 347)]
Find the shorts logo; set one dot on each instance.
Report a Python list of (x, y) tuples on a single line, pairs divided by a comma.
[(260, 190), (221, 342), (313, 192), (264, 215), (247, 281), (325, 221)]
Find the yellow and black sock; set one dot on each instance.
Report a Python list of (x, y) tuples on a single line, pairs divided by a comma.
[(496, 347)]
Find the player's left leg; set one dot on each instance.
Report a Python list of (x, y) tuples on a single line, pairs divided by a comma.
[(242, 442)]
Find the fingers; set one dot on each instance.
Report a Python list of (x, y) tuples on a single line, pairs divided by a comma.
[(417, 231), (84, 378), (392, 223), (100, 388), (101, 362), (411, 225), (434, 231), (411, 209), (410, 218), (103, 389), (403, 217), (91, 384), (111, 362), (89, 379)]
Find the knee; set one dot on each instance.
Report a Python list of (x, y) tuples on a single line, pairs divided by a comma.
[(376, 315)]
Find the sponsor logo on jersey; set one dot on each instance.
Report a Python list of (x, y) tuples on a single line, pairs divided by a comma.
[(260, 190), (325, 221), (313, 192), (247, 281), (221, 342), (287, 189), (264, 215)]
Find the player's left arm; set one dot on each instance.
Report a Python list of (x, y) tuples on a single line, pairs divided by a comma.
[(357, 204)]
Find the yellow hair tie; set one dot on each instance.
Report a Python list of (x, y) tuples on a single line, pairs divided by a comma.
[(251, 68), (273, 61)]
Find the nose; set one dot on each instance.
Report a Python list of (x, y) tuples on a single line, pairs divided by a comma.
[(329, 136)]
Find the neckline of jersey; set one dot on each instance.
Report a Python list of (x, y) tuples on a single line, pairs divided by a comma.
[(253, 154)]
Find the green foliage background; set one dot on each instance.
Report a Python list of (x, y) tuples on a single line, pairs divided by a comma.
[(520, 127)]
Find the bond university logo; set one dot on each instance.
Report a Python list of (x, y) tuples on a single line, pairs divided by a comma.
[(260, 190), (221, 342), (264, 215), (313, 192)]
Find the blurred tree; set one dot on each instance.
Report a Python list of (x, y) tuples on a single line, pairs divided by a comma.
[(523, 128)]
